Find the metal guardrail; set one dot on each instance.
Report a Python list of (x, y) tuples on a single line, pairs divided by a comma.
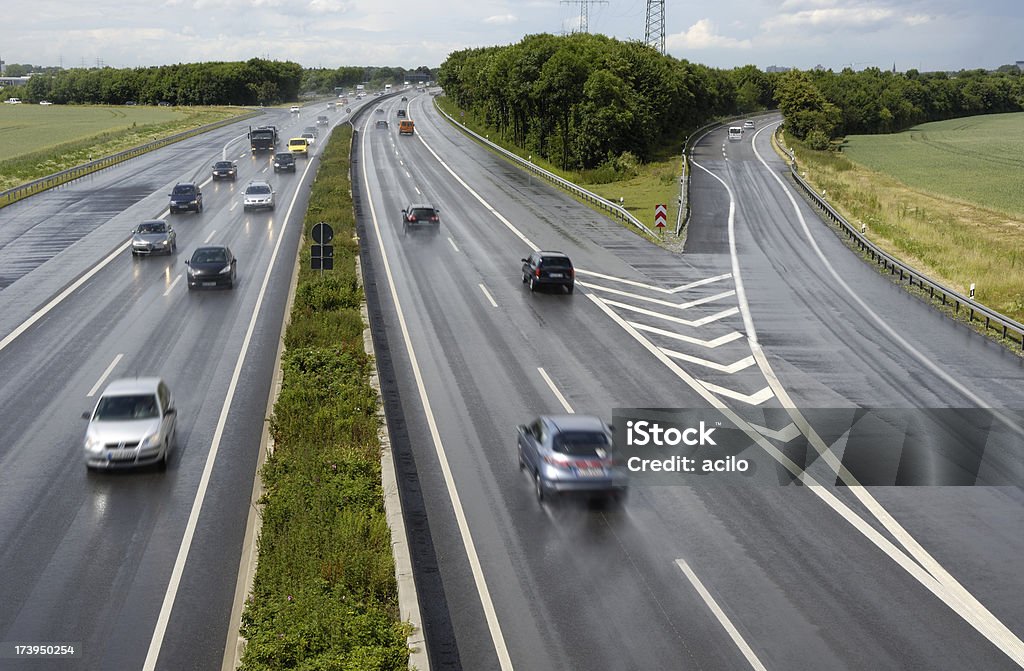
[(614, 209), (1011, 330), (63, 177)]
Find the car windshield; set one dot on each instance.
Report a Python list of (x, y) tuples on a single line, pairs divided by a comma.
[(183, 189), (209, 256), (120, 408), (223, 165), (258, 188), (298, 143), (284, 157), (153, 227), (555, 262), (422, 213), (582, 443)]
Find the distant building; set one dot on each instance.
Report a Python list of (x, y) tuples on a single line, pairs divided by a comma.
[(1020, 65), (13, 81), (777, 68)]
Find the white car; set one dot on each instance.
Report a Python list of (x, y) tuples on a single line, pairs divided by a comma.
[(295, 109), (133, 424), (45, 102), (13, 101), (258, 195)]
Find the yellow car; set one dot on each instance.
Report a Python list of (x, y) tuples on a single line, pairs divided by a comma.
[(299, 146)]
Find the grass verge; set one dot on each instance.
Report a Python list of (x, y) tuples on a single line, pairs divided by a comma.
[(652, 183), (953, 241), (324, 596), (39, 142)]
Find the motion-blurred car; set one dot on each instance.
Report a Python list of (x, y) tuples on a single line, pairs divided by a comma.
[(379, 110), (309, 135), (401, 113), (543, 269), (321, 120), (382, 123), (45, 102), (211, 266), (133, 424), (284, 161), (154, 236), (569, 453), (295, 109), (421, 217), (404, 99), (298, 146), (258, 195), (224, 170), (186, 196), (748, 125)]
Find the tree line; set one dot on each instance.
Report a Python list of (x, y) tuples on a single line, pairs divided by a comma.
[(820, 105), (254, 82), (584, 100), (325, 80)]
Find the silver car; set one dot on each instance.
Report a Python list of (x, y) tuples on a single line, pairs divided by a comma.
[(133, 424), (258, 195), (154, 236)]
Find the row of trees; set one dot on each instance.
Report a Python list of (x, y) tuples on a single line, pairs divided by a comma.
[(582, 100), (324, 80), (820, 105), (256, 81)]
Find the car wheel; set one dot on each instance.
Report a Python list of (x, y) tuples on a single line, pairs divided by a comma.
[(538, 486), (524, 278), (191, 287), (405, 229), (570, 288), (533, 284), (519, 452), (162, 464), (174, 247)]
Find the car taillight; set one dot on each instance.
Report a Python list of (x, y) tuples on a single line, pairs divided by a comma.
[(557, 462), (537, 272), (572, 273), (434, 218), (412, 218)]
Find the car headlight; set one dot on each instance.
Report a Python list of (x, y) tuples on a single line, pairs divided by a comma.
[(194, 201), (192, 271), (92, 443), (226, 269), (149, 441)]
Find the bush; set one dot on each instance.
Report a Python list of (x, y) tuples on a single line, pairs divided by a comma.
[(817, 140)]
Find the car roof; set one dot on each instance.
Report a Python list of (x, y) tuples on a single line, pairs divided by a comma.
[(548, 252), (428, 206), (575, 422), (219, 248), (258, 182), (297, 139), (153, 221), (185, 184), (132, 385)]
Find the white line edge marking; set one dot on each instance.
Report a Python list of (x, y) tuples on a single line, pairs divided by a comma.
[(947, 588), (210, 236), (554, 389), (59, 298), (493, 626), (173, 284), (104, 376), (452, 243), (720, 615), (487, 293), (197, 505)]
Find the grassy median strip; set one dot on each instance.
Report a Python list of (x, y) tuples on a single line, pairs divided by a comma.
[(324, 595)]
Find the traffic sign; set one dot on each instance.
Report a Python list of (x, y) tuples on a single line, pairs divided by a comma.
[(660, 216), (322, 233), (321, 256)]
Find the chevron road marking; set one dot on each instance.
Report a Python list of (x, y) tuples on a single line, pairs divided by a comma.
[(710, 344), (658, 301), (730, 368), (757, 398), (783, 435), (682, 287), (698, 322)]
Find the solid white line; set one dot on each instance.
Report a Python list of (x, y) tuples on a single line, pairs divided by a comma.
[(173, 284), (487, 294), (233, 205), (723, 619), (553, 388), (742, 364), (493, 625), (418, 190), (104, 376), (710, 344), (197, 505), (59, 298), (479, 198), (452, 242), (214, 231), (679, 320)]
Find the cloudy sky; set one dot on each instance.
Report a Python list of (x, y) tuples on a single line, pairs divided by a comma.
[(923, 34)]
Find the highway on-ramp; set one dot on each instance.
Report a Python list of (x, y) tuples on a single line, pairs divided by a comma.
[(767, 310)]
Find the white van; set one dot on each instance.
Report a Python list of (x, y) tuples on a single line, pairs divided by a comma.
[(735, 133)]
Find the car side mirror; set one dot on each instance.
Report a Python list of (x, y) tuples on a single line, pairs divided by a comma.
[(170, 411), (525, 260), (186, 262), (86, 415)]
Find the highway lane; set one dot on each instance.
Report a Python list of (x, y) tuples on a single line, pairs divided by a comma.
[(87, 557), (577, 587)]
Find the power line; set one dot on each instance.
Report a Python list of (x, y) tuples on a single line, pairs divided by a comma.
[(584, 10)]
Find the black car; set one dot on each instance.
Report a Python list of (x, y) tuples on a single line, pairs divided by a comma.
[(224, 170), (570, 453), (421, 217), (284, 161), (543, 269), (381, 123), (211, 266), (404, 99), (186, 196), (401, 113)]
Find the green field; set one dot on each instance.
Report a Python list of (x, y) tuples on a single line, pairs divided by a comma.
[(38, 140), (976, 159)]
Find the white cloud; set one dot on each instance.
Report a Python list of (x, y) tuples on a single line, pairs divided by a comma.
[(701, 35), (824, 16), (500, 20)]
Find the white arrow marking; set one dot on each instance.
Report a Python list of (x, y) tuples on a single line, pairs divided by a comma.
[(698, 322), (658, 301), (710, 344), (682, 287), (757, 398), (784, 435), (730, 368)]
